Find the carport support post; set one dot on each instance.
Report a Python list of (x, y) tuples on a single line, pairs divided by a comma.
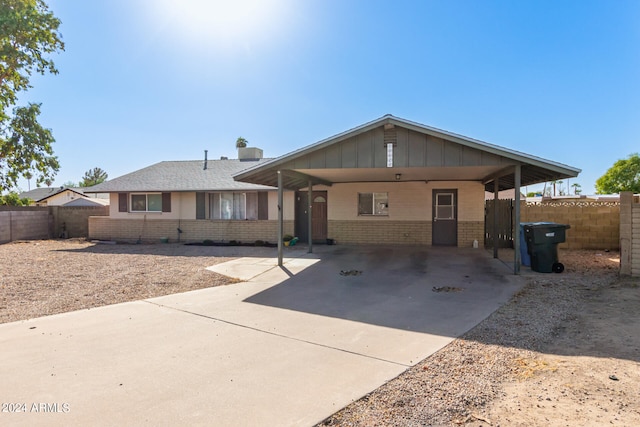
[(517, 177), (280, 222), (309, 225), (496, 189)]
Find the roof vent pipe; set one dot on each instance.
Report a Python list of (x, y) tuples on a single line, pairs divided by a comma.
[(205, 160)]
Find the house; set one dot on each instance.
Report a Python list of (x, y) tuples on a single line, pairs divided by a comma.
[(61, 196), (190, 201), (387, 181)]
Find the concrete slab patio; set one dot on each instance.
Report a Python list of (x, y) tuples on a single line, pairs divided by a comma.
[(287, 347)]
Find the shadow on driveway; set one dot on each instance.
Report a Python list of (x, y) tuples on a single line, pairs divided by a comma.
[(437, 290)]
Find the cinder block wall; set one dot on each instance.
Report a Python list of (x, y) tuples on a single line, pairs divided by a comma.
[(635, 237), (629, 234), (380, 231), (75, 219), (398, 232), (28, 223), (468, 231), (152, 230), (593, 225)]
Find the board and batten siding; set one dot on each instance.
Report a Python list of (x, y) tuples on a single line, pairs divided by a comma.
[(411, 149)]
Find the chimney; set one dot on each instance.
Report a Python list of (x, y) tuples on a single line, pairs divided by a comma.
[(205, 160), (249, 153)]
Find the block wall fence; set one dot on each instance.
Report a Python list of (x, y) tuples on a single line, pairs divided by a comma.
[(47, 222), (594, 225), (629, 234)]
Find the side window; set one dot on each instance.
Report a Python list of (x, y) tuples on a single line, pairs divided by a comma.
[(373, 204)]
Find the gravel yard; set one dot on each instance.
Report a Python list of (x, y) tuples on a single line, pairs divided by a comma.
[(564, 351), (39, 278)]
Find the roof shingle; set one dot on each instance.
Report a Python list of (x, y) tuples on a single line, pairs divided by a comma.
[(186, 175)]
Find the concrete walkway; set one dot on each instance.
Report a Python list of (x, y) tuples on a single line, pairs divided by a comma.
[(287, 347)]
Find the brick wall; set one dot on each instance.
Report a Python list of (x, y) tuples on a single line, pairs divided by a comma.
[(380, 231), (635, 239), (28, 223), (399, 232), (37, 223), (629, 234), (75, 219), (152, 230), (593, 225), (468, 231)]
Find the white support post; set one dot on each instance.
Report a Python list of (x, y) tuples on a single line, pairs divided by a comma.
[(310, 216), (280, 219), (496, 189)]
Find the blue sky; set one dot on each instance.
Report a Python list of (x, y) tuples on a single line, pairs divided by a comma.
[(143, 81)]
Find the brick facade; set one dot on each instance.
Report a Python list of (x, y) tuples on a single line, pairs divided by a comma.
[(398, 232), (380, 231), (105, 228), (468, 231)]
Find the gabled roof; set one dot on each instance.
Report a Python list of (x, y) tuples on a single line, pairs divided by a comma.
[(87, 201), (42, 193), (189, 175), (454, 157)]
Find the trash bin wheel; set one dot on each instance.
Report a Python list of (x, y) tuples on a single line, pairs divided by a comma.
[(557, 267)]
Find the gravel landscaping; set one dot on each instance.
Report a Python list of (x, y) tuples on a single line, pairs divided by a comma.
[(546, 358), (46, 277)]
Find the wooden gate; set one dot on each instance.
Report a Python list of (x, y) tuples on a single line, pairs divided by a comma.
[(504, 226)]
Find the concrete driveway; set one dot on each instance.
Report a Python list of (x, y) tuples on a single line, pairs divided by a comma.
[(287, 347)]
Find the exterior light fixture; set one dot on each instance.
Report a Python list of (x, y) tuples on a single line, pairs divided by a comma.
[(398, 176)]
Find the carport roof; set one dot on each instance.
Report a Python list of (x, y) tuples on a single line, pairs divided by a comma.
[(421, 153)]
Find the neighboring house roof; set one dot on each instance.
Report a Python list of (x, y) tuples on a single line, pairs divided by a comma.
[(87, 201), (356, 155), (188, 175), (42, 193)]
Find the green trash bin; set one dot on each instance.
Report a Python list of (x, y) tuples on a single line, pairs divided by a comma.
[(542, 244)]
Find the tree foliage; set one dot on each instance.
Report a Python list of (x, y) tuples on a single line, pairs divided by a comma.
[(93, 177), (241, 142), (624, 175), (28, 33), (13, 199)]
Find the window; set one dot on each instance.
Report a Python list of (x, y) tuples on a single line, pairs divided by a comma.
[(151, 202), (232, 205), (373, 204), (228, 206), (444, 206)]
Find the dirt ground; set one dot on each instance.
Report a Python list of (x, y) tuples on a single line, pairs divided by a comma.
[(565, 351), (44, 277), (587, 372)]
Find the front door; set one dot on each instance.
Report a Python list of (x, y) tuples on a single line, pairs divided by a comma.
[(444, 229), (318, 216)]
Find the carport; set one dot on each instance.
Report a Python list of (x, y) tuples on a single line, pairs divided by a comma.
[(390, 150)]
